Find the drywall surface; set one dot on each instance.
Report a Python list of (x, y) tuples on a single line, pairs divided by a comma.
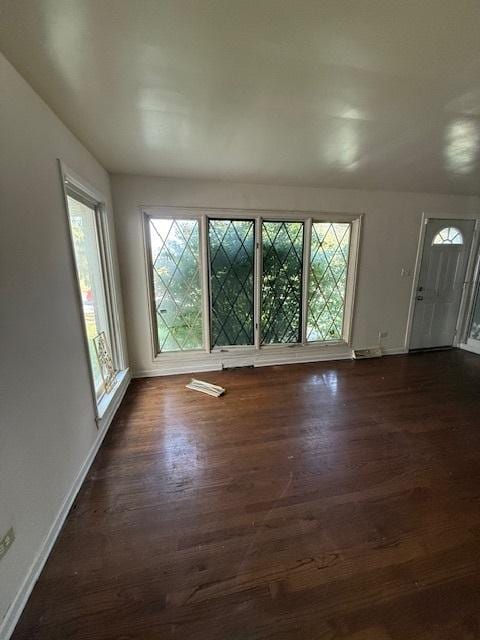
[(47, 421), (389, 242)]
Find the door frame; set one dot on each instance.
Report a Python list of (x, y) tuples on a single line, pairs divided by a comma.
[(460, 327)]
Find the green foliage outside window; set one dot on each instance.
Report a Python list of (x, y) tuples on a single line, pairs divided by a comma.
[(231, 281), (176, 284), (328, 278), (282, 282), (175, 246)]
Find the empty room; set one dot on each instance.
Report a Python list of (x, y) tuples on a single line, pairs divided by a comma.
[(240, 320)]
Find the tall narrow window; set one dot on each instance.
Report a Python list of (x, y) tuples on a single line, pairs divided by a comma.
[(85, 238), (282, 282), (176, 283), (328, 278), (231, 281)]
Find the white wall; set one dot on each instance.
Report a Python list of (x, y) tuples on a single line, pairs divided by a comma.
[(389, 243), (47, 427)]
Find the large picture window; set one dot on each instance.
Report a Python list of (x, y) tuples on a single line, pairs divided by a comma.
[(254, 282)]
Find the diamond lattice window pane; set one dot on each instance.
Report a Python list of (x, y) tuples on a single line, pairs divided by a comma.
[(282, 282), (328, 278), (231, 281), (177, 284)]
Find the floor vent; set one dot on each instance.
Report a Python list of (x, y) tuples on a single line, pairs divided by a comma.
[(361, 354)]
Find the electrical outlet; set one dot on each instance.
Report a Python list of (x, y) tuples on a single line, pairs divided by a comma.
[(6, 542)]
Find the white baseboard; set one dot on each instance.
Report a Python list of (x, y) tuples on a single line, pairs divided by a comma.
[(394, 351), (14, 612), (397, 351)]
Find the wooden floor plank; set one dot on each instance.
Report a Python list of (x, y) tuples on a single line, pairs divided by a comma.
[(320, 501)]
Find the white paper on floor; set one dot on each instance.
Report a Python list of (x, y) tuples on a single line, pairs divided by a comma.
[(206, 387)]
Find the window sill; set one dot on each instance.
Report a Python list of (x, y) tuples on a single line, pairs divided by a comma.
[(109, 402), (249, 349), (194, 361)]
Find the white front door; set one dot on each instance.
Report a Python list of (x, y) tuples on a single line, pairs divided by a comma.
[(440, 285)]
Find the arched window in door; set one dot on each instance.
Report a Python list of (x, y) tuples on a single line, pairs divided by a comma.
[(448, 235)]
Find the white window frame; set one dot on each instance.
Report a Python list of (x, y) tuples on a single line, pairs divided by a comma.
[(252, 354), (74, 186)]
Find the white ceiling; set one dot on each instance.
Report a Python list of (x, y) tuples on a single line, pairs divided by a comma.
[(344, 93)]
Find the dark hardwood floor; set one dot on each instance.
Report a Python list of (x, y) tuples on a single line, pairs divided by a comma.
[(330, 501)]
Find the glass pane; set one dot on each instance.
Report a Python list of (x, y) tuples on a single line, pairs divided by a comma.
[(176, 283), (475, 326), (328, 279), (231, 281), (448, 235), (282, 281), (87, 258)]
